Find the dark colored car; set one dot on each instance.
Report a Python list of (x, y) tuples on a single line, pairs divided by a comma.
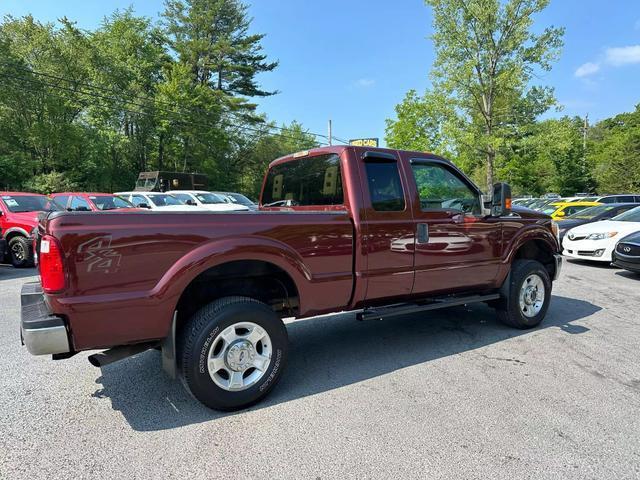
[(378, 231), (627, 253), (593, 214)]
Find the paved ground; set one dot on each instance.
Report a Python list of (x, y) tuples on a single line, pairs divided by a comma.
[(446, 395)]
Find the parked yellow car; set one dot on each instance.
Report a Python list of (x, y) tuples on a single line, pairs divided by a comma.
[(559, 210)]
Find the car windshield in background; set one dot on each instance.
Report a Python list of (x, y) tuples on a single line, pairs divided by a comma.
[(549, 210), (164, 200), (209, 198), (106, 202), (632, 215), (146, 183), (591, 212), (28, 203), (241, 199)]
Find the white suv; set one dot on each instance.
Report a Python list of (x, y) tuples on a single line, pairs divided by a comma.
[(206, 200), (158, 201)]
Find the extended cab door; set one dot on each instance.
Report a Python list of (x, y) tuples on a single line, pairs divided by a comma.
[(457, 247), (388, 227)]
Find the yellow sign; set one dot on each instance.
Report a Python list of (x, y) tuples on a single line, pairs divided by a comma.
[(364, 142)]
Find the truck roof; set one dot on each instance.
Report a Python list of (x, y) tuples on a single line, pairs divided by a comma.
[(338, 149)]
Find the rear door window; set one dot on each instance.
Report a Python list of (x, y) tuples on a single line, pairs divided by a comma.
[(385, 188), (309, 181)]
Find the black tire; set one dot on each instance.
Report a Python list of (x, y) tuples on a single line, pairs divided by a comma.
[(508, 309), (20, 252), (203, 331)]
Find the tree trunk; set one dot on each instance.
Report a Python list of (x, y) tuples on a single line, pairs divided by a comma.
[(160, 151), (491, 156)]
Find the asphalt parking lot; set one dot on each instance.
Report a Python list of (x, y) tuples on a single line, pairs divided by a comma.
[(452, 394)]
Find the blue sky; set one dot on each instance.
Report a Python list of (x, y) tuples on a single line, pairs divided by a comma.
[(353, 61)]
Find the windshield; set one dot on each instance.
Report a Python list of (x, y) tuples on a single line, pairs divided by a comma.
[(146, 183), (209, 198), (164, 200), (591, 212), (241, 199), (632, 215), (108, 202), (550, 209), (28, 203)]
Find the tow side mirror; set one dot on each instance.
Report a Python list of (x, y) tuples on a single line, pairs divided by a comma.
[(143, 205), (191, 202), (501, 200)]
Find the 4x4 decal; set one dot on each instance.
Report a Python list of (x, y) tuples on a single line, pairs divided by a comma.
[(99, 256)]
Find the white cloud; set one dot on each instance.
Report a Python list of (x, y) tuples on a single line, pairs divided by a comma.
[(365, 82), (623, 55), (587, 69)]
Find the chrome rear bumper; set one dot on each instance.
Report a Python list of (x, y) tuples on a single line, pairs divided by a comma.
[(41, 332)]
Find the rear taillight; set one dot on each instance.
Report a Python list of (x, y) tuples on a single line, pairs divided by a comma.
[(51, 266)]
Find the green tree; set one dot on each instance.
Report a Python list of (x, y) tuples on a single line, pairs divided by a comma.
[(486, 56), (613, 152)]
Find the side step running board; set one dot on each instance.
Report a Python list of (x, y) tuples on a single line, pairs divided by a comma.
[(435, 304)]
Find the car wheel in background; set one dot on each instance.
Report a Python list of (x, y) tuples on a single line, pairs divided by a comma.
[(20, 252)]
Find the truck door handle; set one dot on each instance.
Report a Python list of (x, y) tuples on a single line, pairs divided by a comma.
[(423, 233)]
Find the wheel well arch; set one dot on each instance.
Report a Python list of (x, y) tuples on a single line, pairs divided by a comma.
[(539, 250), (257, 279), (12, 233)]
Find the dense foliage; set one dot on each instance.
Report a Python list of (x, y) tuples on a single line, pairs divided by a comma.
[(91, 109), (483, 111)]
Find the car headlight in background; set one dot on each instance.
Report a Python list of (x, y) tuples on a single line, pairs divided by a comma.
[(601, 235)]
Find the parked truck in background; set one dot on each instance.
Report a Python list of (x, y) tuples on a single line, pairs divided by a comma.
[(165, 181), (377, 231)]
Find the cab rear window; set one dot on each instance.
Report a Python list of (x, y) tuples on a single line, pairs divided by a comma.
[(308, 181)]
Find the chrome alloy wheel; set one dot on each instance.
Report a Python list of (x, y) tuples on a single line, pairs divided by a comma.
[(239, 356), (531, 296)]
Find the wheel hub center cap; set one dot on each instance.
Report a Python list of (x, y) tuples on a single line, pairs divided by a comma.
[(240, 355), (530, 295)]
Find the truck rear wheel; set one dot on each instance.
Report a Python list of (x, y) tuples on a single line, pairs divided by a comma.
[(20, 252), (232, 352), (526, 303)]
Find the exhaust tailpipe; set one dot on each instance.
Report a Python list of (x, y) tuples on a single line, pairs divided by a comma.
[(118, 353)]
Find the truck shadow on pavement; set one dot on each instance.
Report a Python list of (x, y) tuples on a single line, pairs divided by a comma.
[(327, 353)]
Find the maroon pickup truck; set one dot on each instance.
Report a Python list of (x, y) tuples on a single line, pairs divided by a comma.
[(381, 232)]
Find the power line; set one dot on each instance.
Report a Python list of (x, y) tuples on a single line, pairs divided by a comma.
[(221, 123), (131, 102)]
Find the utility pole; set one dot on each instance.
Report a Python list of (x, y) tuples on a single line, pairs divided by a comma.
[(330, 134), (584, 133)]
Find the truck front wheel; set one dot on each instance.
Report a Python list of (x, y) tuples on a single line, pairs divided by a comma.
[(232, 352), (526, 301)]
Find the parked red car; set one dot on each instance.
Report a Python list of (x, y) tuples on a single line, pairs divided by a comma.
[(89, 202), (18, 217)]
